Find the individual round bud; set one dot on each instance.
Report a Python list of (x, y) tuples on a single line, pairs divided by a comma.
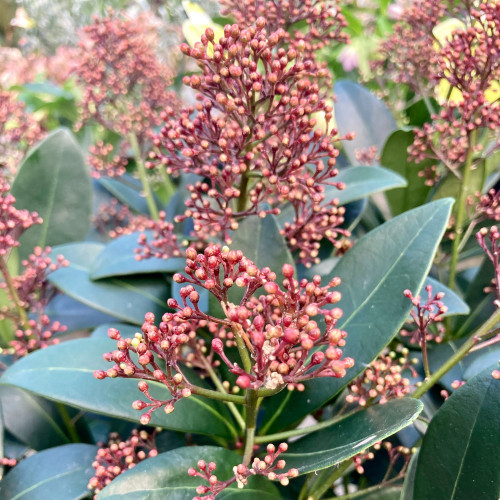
[(243, 381), (288, 271)]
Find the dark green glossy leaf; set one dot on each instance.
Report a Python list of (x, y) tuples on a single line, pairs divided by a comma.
[(351, 436), (457, 458), (33, 420), (128, 191), (395, 157), (127, 299), (363, 181), (409, 483), (386, 261), (381, 494), (165, 476), (358, 110), (65, 373), (451, 300), (118, 259), (60, 473), (54, 182)]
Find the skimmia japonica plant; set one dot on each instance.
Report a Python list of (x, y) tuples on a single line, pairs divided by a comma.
[(229, 270)]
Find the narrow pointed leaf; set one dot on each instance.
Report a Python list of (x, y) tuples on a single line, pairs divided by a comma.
[(54, 182), (165, 476), (127, 299), (363, 181), (64, 373), (457, 458), (119, 259), (358, 110), (351, 435), (60, 473), (380, 266)]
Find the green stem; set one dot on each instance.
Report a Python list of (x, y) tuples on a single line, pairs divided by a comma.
[(322, 483), (242, 350), (167, 182), (71, 429), (232, 408), (242, 200), (141, 169), (306, 430), (460, 216), (361, 493), (228, 398), (428, 105), (425, 357), (251, 424), (476, 337), (23, 315)]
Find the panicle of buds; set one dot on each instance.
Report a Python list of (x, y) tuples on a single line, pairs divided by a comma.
[(116, 456), (447, 138), (31, 291), (104, 161), (252, 136), (18, 131), (424, 315), (124, 81), (269, 467), (324, 20), (484, 206), (384, 379), (399, 459), (112, 218), (142, 357), (163, 243), (409, 55), (277, 327), (13, 222), (470, 60), (492, 251)]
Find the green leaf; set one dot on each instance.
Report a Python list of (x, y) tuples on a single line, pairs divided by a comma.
[(391, 493), (395, 157), (352, 435), (118, 259), (64, 373), (128, 191), (363, 181), (34, 421), (127, 299), (60, 473), (54, 182), (451, 185), (451, 300), (358, 110), (394, 257), (408, 485), (457, 460), (165, 476)]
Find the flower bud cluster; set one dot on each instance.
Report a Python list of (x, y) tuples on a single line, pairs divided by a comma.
[(409, 55), (124, 81), (104, 161), (424, 315), (268, 466), (31, 291), (116, 457), (447, 138), (18, 131), (484, 206), (112, 218), (278, 328), (252, 136), (492, 251), (399, 459), (383, 380), (152, 355), (13, 222), (163, 243), (325, 21)]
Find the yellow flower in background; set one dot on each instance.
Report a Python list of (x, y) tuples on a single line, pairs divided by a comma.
[(196, 24), (443, 33)]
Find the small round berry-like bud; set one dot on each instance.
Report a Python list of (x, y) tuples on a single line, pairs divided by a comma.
[(217, 345), (260, 23), (100, 374), (271, 287), (192, 471), (114, 334), (283, 447), (139, 405), (288, 271), (145, 419), (291, 335), (243, 381), (179, 278), (143, 386)]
